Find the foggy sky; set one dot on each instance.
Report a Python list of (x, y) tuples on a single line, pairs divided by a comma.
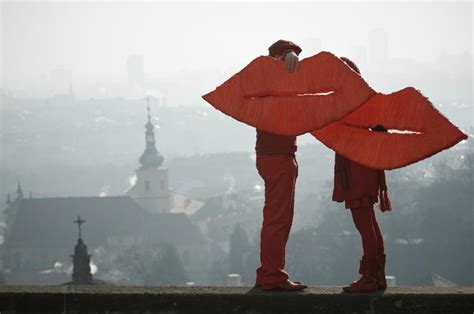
[(94, 39)]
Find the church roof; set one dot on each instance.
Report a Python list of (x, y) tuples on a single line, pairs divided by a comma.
[(174, 228), (48, 222)]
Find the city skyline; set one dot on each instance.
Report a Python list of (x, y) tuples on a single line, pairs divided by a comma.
[(94, 47)]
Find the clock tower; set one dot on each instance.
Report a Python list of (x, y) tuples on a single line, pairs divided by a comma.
[(151, 187)]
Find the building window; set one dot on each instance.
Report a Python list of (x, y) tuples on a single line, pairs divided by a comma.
[(162, 185), (147, 186)]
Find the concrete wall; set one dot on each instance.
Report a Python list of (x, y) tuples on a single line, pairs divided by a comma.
[(121, 299)]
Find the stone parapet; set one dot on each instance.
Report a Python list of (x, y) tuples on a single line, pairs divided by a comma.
[(170, 300)]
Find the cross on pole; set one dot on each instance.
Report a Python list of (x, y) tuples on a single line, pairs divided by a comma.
[(79, 222)]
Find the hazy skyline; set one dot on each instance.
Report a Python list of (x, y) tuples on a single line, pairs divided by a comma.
[(95, 39)]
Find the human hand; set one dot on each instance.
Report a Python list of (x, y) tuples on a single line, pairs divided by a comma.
[(291, 62)]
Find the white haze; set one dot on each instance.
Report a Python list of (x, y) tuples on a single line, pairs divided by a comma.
[(203, 42)]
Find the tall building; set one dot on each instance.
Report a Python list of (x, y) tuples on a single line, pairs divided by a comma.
[(135, 71), (151, 187), (378, 48)]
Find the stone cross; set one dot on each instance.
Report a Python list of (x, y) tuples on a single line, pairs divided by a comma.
[(79, 222)]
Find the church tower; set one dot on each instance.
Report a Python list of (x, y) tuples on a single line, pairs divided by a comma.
[(151, 187)]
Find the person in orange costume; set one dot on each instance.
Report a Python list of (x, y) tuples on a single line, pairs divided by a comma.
[(277, 165), (360, 187)]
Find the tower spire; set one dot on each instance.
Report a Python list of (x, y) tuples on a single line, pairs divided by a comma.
[(81, 271), (150, 158)]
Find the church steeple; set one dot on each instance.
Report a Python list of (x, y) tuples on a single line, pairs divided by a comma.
[(151, 187), (150, 158), (81, 271)]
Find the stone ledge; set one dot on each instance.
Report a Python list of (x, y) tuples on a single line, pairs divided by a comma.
[(139, 299)]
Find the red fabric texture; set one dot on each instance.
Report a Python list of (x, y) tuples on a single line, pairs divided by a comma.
[(366, 223), (264, 95), (279, 172), (355, 184), (269, 143), (405, 110)]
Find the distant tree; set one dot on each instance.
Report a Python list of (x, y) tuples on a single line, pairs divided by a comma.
[(239, 252), (448, 222), (126, 264), (327, 254), (168, 269), (217, 273), (140, 263)]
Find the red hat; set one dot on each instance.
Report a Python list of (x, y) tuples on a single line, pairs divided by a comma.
[(282, 46)]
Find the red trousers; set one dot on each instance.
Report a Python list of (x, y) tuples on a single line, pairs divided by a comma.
[(279, 172), (366, 223)]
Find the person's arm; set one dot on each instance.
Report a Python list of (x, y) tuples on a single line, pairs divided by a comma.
[(292, 62)]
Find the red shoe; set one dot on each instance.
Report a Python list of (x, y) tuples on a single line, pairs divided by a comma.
[(287, 285), (368, 282), (380, 276)]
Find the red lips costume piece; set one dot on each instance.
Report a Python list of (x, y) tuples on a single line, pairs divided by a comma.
[(266, 97), (333, 102), (417, 130)]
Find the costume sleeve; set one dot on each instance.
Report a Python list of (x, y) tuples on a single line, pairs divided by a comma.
[(281, 47)]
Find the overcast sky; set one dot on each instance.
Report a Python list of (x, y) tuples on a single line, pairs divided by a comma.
[(94, 39)]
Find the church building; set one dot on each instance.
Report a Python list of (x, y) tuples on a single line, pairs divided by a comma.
[(38, 235)]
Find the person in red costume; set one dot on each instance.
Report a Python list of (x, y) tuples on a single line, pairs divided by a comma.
[(276, 164), (360, 188)]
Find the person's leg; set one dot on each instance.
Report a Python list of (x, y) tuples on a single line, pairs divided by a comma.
[(381, 280), (364, 224), (279, 174), (291, 209), (380, 244)]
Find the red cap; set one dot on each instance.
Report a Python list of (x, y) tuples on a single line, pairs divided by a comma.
[(282, 46)]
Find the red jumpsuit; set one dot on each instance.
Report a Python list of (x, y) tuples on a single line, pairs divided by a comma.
[(358, 186), (276, 164)]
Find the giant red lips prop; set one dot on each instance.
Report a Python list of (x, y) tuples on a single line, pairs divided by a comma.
[(265, 96), (416, 130), (328, 99)]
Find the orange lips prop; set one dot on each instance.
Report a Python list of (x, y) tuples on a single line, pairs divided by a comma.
[(416, 131), (265, 96)]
